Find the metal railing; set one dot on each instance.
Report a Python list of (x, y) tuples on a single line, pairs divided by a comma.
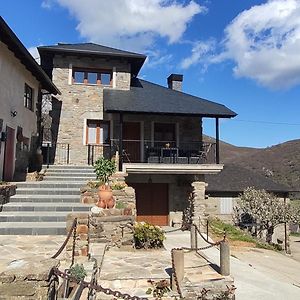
[(194, 152), (96, 151), (56, 152)]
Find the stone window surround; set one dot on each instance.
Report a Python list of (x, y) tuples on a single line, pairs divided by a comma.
[(113, 82), (98, 127)]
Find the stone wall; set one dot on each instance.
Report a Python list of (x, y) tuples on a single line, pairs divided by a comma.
[(6, 190), (29, 279), (80, 102)]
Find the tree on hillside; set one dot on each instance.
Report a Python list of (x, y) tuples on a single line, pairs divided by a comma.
[(265, 210)]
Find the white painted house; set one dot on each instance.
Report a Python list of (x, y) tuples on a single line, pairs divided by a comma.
[(22, 83)]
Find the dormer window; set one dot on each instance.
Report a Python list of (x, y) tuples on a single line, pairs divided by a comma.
[(92, 76)]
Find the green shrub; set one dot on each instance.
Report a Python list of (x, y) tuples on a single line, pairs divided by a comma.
[(104, 168), (118, 186), (148, 236), (78, 272)]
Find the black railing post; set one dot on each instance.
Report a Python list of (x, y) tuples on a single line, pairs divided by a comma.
[(68, 154), (121, 143), (93, 149), (88, 155), (217, 142), (48, 155)]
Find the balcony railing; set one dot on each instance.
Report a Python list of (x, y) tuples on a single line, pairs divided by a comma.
[(136, 151)]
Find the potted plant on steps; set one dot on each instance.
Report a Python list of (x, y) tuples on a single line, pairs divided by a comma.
[(104, 168)]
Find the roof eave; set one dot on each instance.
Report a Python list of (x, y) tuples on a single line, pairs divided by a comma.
[(9, 38)]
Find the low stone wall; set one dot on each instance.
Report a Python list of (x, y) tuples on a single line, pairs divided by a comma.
[(29, 279), (110, 226), (124, 198), (6, 190)]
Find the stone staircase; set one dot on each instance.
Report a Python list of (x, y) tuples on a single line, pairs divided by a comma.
[(40, 208)]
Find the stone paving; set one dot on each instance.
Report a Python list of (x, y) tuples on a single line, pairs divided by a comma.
[(16, 247)]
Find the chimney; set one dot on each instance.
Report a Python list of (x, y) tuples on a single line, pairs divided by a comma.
[(175, 82)]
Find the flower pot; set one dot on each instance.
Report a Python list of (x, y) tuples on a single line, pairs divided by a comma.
[(104, 193), (101, 203), (111, 202)]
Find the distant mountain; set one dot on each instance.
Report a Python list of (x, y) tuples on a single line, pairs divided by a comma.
[(280, 162)]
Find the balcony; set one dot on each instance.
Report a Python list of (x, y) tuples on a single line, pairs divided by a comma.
[(160, 157)]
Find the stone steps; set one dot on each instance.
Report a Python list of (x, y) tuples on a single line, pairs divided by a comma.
[(33, 216), (33, 228), (53, 207), (41, 208), (45, 198)]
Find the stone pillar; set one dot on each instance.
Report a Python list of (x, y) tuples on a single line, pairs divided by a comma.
[(198, 190)]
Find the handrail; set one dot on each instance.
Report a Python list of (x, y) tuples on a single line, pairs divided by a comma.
[(72, 229)]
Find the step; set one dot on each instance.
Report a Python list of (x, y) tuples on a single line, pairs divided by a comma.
[(50, 184), (33, 206), (67, 171), (48, 191), (33, 228), (68, 167), (33, 216), (45, 198), (70, 174), (83, 179)]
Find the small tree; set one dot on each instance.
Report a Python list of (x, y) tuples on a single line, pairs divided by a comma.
[(265, 210)]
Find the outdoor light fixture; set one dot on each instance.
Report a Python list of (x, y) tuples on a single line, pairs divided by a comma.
[(13, 113)]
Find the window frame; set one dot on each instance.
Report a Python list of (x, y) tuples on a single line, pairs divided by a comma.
[(98, 126), (28, 97), (98, 73)]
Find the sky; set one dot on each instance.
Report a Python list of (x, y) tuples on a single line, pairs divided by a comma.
[(243, 54)]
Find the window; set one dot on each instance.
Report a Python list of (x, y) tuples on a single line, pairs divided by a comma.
[(226, 207), (97, 132), (28, 97), (165, 132), (91, 76)]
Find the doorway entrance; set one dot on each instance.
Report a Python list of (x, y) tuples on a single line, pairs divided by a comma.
[(152, 203), (132, 142)]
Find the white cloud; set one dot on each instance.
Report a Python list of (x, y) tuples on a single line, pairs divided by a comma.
[(156, 58), (131, 24), (34, 53), (263, 42), (200, 51), (47, 4)]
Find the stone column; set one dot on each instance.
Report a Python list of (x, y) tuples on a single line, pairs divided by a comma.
[(198, 191)]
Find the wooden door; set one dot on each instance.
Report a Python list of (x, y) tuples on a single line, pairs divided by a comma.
[(132, 142), (152, 203), (8, 168)]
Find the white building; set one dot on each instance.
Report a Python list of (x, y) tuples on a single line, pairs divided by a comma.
[(22, 82)]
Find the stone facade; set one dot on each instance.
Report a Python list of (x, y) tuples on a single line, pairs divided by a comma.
[(6, 191), (80, 102)]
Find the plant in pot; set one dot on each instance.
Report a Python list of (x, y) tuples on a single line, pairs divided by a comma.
[(104, 168)]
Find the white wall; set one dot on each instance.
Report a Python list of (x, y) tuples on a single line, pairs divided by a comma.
[(13, 76)]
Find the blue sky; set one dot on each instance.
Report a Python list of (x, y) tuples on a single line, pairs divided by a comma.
[(244, 54)]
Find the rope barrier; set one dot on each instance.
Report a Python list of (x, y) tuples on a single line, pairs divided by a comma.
[(72, 229)]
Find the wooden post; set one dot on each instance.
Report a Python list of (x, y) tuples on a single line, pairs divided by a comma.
[(193, 234), (121, 143), (217, 142), (224, 258), (178, 262)]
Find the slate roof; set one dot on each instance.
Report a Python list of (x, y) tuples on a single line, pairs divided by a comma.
[(146, 97), (8, 37), (91, 49), (236, 179)]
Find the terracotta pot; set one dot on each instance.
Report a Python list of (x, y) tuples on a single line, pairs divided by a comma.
[(104, 193), (111, 202), (101, 203)]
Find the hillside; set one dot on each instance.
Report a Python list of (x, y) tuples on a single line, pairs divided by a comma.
[(280, 162)]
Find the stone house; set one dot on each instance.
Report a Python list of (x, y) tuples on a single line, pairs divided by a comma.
[(153, 132), (22, 82), (223, 190)]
